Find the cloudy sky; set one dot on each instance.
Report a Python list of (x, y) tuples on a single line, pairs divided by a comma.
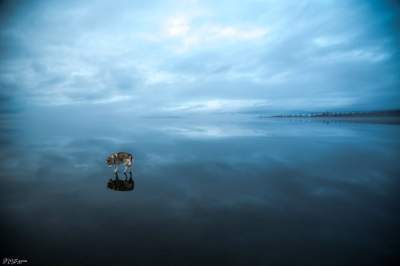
[(200, 56)]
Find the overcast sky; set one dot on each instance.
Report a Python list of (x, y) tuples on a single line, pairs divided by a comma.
[(201, 56)]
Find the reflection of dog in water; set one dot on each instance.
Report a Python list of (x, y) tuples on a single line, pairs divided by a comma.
[(117, 158), (121, 185)]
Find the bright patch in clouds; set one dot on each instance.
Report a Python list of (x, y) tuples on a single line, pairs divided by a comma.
[(327, 41), (192, 36), (218, 105), (237, 33), (177, 26)]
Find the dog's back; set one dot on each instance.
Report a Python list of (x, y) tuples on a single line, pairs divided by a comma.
[(120, 157), (124, 157)]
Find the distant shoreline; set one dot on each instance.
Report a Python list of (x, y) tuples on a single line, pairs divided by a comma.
[(383, 117)]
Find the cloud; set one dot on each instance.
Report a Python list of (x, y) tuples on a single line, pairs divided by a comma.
[(238, 33), (218, 105), (327, 41), (202, 56), (177, 26), (209, 34)]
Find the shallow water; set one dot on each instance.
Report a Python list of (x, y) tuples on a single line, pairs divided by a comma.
[(227, 190)]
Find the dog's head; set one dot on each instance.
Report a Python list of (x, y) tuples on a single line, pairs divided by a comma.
[(110, 160)]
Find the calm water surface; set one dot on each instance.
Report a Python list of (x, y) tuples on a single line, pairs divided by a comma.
[(229, 190)]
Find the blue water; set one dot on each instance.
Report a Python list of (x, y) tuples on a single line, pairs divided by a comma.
[(221, 190)]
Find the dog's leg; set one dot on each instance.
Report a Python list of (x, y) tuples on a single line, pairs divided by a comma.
[(130, 170), (116, 170), (125, 169)]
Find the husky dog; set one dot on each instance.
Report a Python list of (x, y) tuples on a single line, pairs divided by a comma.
[(117, 158)]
